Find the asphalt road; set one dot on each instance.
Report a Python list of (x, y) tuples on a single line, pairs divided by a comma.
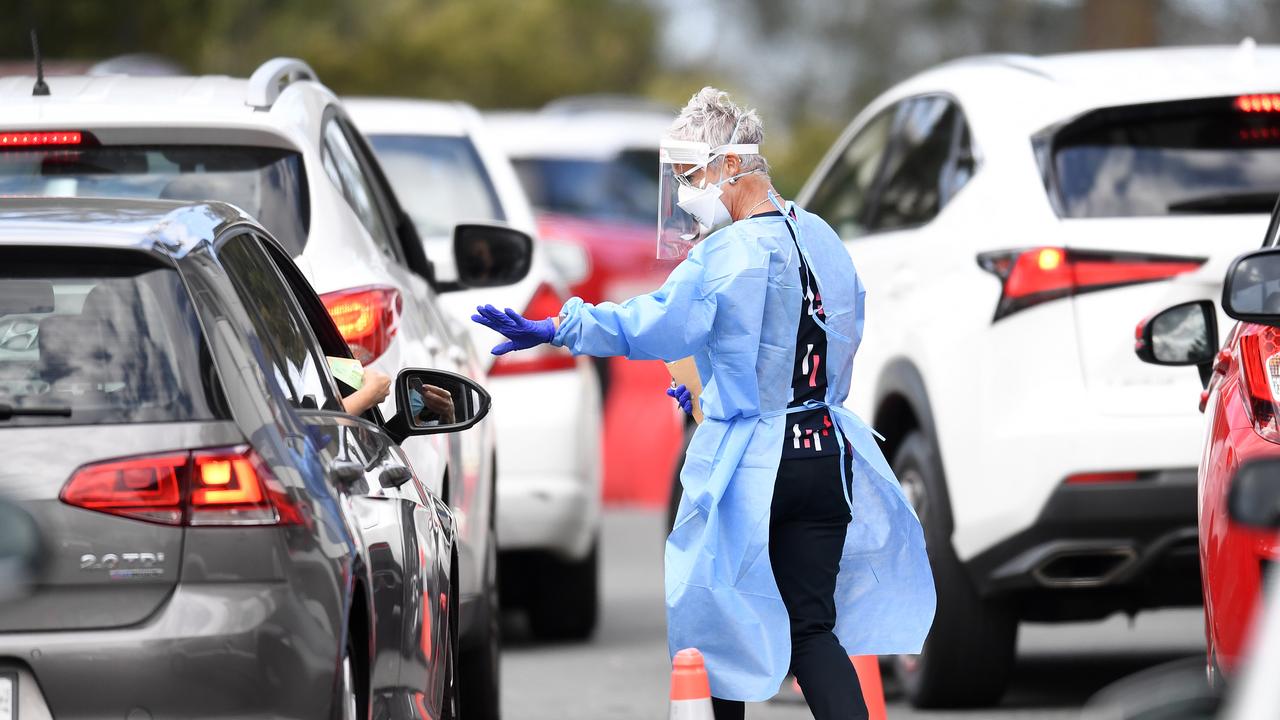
[(623, 672)]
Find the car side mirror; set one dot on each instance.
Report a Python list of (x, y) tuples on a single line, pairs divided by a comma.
[(489, 255), (1254, 498), (1185, 334), (1252, 289), (435, 401)]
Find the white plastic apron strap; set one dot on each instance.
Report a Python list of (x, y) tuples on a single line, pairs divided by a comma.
[(841, 413), (795, 229)]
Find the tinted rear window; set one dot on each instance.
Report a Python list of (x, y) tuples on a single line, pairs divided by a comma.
[(440, 181), (109, 335), (268, 183), (624, 187), (1190, 157)]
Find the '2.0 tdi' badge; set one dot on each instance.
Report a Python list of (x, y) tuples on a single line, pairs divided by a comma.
[(124, 565)]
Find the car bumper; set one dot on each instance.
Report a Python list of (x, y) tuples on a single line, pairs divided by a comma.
[(213, 651), (1098, 548), (549, 464)]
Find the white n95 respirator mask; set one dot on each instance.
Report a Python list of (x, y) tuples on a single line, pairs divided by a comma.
[(705, 205)]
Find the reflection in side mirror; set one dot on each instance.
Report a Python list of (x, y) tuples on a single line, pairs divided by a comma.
[(488, 255), (1254, 498), (1252, 288), (435, 401), (1185, 334)]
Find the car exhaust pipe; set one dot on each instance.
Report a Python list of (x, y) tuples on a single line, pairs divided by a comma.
[(1092, 567)]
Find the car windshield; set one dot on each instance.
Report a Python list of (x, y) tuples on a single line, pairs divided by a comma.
[(1201, 156), (440, 181), (624, 187), (268, 183), (97, 336)]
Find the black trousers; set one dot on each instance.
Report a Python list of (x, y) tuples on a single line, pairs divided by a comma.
[(809, 519)]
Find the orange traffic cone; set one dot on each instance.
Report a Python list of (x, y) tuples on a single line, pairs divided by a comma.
[(690, 689), (868, 669)]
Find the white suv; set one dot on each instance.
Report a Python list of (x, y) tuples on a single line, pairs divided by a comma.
[(280, 146), (445, 168), (1013, 218)]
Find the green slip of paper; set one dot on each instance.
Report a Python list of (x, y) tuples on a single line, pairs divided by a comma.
[(349, 372)]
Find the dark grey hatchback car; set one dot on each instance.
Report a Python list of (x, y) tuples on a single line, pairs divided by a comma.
[(220, 538)]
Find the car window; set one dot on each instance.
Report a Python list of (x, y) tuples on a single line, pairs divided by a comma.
[(843, 196), (440, 181), (623, 187), (105, 336), (314, 313), (287, 344), (963, 162), (339, 161), (268, 183), (914, 175), (1188, 157)]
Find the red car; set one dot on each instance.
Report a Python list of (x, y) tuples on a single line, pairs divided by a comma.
[(1242, 405)]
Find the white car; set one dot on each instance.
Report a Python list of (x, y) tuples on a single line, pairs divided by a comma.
[(280, 146), (446, 169), (1012, 219)]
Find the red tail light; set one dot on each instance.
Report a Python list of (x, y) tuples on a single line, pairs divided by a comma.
[(367, 317), (226, 486), (35, 139), (1259, 348), (1038, 275), (148, 488), (546, 303), (1258, 103)]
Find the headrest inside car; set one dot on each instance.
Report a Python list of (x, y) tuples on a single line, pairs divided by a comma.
[(21, 297)]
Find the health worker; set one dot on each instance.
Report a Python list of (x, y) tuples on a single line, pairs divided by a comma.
[(794, 546)]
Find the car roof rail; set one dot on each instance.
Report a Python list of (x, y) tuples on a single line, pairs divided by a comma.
[(272, 77)]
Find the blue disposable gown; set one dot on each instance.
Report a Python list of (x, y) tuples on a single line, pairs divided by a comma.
[(734, 305)]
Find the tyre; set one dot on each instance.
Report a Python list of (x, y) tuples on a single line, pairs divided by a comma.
[(566, 602), (969, 656), (480, 656)]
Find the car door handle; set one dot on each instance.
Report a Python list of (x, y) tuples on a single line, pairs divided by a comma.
[(395, 476), (346, 472)]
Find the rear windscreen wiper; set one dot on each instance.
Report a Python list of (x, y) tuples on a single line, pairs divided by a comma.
[(1256, 202), (9, 411)]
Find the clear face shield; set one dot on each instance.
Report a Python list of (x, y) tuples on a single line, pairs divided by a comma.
[(689, 204)]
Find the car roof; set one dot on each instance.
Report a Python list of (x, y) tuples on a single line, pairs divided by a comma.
[(572, 132), (1039, 91), (379, 116), (165, 227), (267, 100)]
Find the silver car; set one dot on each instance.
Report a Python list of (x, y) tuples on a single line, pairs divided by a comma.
[(220, 538)]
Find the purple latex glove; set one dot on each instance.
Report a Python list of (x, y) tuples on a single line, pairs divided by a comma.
[(683, 397), (521, 332)]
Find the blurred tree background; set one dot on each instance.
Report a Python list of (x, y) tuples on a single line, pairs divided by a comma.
[(808, 64)]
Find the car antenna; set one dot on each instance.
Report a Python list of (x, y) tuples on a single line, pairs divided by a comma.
[(41, 88)]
